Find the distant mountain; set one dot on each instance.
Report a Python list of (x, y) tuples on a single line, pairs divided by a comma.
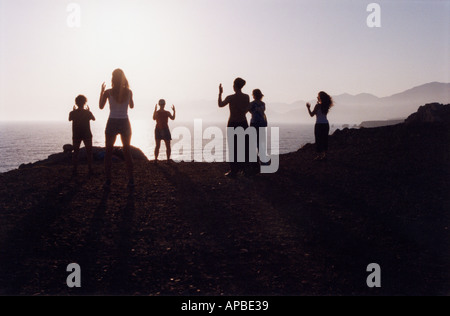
[(407, 102), (349, 109), (354, 109), (424, 92)]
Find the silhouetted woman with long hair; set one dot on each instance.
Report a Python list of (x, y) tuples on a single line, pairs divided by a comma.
[(120, 97), (322, 127)]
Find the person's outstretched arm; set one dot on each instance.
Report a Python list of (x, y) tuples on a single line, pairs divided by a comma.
[(309, 110), (154, 112), (224, 102), (172, 117), (103, 97)]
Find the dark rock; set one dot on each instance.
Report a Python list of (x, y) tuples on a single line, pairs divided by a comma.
[(430, 113), (310, 229), (25, 165), (98, 154), (68, 148)]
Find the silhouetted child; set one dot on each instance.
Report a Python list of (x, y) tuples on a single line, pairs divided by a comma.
[(81, 131), (322, 127), (259, 119), (162, 131)]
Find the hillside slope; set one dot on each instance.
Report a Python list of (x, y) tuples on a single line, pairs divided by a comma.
[(309, 229)]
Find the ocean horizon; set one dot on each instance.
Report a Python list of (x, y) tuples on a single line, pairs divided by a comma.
[(23, 142)]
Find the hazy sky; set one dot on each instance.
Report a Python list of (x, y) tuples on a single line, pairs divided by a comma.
[(182, 49)]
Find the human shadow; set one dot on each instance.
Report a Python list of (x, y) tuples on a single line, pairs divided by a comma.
[(26, 243), (91, 250), (215, 239), (121, 270), (344, 232)]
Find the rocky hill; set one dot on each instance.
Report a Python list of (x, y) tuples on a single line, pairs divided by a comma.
[(312, 228), (429, 114)]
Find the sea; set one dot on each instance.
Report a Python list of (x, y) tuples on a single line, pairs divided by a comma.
[(28, 142)]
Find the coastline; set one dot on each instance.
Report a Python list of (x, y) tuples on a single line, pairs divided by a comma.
[(309, 229), (21, 148)]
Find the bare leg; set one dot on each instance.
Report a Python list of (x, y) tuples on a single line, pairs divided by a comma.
[(168, 149), (126, 141), (158, 146), (110, 140), (88, 145), (76, 150)]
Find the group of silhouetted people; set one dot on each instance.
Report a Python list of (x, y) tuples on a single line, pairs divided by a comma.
[(120, 98), (239, 104)]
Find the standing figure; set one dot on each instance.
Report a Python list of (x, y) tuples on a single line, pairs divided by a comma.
[(81, 117), (162, 131), (120, 97), (322, 127), (239, 104), (259, 120)]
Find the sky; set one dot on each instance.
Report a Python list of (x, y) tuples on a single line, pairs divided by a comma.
[(181, 50)]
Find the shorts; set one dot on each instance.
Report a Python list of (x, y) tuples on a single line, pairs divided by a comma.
[(163, 134), (115, 127), (85, 140), (82, 137)]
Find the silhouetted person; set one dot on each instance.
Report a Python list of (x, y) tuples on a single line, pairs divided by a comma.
[(322, 127), (239, 104), (162, 131), (81, 117), (120, 97), (259, 119)]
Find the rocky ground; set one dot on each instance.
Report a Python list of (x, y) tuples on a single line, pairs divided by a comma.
[(186, 229)]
